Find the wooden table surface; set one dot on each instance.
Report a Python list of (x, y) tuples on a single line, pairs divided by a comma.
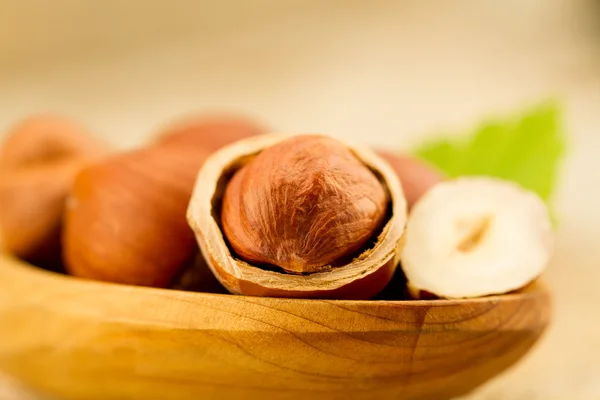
[(380, 72)]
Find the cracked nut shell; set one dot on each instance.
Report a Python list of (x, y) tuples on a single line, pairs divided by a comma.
[(360, 276)]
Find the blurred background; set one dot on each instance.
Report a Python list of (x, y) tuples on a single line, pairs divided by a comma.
[(383, 72)]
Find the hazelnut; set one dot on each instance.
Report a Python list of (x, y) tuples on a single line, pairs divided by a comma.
[(302, 205), (210, 132), (416, 176), (306, 216), (125, 219), (476, 236), (38, 162)]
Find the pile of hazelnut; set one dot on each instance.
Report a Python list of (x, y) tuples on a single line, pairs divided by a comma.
[(218, 204)]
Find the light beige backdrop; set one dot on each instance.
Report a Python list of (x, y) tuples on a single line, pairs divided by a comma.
[(382, 72)]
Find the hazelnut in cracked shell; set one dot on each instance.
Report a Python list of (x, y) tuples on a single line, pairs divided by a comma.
[(303, 216)]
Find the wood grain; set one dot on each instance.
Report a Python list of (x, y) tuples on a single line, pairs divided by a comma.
[(76, 339)]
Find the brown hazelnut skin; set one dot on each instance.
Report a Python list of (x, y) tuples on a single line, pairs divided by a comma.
[(126, 217), (303, 205), (416, 176), (210, 131), (38, 162)]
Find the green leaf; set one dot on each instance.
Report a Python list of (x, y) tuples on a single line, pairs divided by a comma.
[(526, 149)]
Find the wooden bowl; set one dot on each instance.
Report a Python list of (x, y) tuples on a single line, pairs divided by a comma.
[(77, 339)]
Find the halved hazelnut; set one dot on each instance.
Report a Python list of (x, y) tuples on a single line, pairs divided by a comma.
[(476, 236), (306, 216)]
